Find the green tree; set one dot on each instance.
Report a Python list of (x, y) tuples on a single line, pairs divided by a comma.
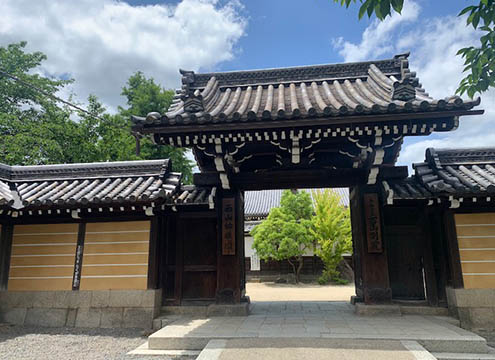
[(144, 96), (286, 233), (332, 230), (479, 61), (34, 129)]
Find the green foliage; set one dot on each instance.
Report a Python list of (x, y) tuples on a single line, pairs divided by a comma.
[(332, 230), (479, 62), (325, 278), (35, 130), (381, 8), (286, 232)]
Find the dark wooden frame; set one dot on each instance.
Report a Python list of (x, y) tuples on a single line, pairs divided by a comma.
[(5, 253), (453, 249)]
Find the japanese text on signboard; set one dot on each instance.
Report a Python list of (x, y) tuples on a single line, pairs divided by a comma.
[(373, 228), (228, 227)]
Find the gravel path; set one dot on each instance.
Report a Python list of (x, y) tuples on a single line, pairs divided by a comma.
[(302, 292), (17, 342)]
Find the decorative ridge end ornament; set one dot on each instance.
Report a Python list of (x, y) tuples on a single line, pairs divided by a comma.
[(433, 159), (193, 101), (405, 89)]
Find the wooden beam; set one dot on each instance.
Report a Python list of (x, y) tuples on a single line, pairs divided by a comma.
[(308, 178), (393, 172), (278, 124)]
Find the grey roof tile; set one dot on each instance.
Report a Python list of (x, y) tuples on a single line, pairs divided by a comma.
[(385, 86), (193, 195), (446, 172), (70, 185), (259, 203)]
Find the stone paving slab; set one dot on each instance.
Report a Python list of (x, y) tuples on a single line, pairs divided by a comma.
[(328, 320), (460, 356), (145, 350), (314, 349)]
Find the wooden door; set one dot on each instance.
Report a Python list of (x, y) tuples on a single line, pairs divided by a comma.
[(405, 254), (197, 259)]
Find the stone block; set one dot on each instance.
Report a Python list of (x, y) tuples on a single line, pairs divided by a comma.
[(100, 298), (88, 317), (465, 317), (44, 299), (46, 317), (126, 298), (451, 300), (14, 316), (228, 310), (18, 299), (151, 298), (482, 318), (112, 317), (475, 298), (363, 309), (424, 310), (79, 299), (138, 318), (71, 318)]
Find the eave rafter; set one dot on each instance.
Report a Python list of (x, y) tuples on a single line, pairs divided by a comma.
[(367, 146)]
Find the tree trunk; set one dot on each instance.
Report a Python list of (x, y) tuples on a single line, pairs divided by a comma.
[(299, 267), (294, 270)]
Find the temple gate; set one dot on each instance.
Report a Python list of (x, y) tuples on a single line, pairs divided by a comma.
[(338, 125)]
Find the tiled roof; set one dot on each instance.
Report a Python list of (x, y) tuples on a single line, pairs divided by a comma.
[(6, 196), (386, 86), (249, 225), (447, 172), (259, 203), (193, 195), (70, 185)]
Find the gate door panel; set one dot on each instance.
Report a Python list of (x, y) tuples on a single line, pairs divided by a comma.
[(198, 243), (405, 254)]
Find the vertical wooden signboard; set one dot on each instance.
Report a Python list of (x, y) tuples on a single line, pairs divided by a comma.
[(76, 279), (373, 227), (228, 226)]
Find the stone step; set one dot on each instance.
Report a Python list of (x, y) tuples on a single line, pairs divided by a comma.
[(463, 356), (399, 309), (199, 311), (194, 334)]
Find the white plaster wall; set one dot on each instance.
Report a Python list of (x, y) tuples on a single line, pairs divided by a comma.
[(248, 247)]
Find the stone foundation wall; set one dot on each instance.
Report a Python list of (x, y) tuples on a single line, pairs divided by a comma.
[(475, 308), (99, 308)]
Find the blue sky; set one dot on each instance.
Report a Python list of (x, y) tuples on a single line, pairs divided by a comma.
[(100, 43), (283, 33)]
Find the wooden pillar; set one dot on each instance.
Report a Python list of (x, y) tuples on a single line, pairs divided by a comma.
[(453, 249), (430, 275), (154, 253), (370, 256), (230, 261), (5, 252)]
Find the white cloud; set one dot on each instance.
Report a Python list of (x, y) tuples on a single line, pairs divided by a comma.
[(100, 43), (376, 39), (433, 43)]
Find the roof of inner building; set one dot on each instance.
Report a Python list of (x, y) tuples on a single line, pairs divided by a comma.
[(448, 172), (92, 184), (361, 88), (259, 203)]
